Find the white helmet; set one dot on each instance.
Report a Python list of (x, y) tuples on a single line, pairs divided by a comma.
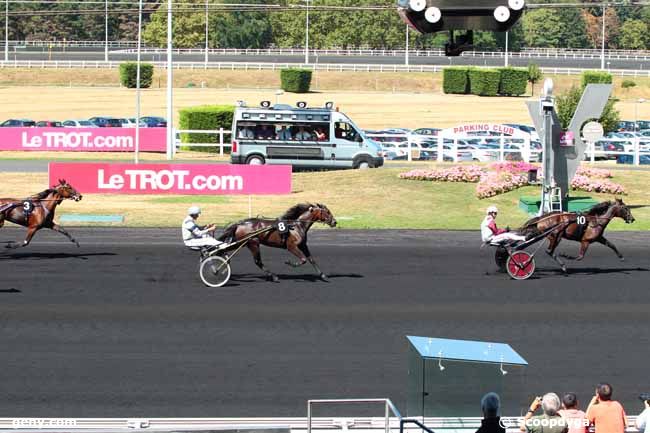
[(194, 210), (491, 209)]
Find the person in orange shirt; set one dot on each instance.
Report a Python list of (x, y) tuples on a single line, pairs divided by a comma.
[(605, 414)]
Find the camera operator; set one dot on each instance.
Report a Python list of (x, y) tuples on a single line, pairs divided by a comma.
[(604, 413), (643, 420)]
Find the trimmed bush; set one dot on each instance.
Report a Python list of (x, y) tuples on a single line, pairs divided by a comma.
[(210, 117), (484, 82), (626, 84), (295, 80), (455, 80), (596, 77), (129, 71), (513, 81)]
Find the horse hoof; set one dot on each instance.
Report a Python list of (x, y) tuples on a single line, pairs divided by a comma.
[(622, 258), (274, 278), (564, 270), (77, 243), (323, 277)]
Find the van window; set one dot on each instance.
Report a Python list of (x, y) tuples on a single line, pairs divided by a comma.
[(345, 131)]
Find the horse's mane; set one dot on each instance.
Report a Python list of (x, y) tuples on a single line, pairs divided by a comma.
[(295, 211), (600, 208), (41, 195)]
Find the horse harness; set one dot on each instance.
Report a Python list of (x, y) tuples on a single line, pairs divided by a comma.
[(28, 206)]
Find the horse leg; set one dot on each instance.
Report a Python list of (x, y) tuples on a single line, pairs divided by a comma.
[(57, 228), (254, 247), (583, 250), (607, 243), (303, 247), (31, 231), (553, 241)]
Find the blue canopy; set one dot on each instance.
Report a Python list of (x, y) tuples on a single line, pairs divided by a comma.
[(465, 350)]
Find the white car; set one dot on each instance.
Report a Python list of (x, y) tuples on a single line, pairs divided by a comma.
[(130, 122), (78, 124)]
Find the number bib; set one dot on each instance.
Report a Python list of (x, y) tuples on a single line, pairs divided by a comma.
[(28, 208), (283, 228)]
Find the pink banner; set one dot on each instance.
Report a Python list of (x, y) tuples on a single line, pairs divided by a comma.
[(186, 179), (82, 139)]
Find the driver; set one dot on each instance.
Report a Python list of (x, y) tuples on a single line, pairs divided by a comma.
[(195, 235), (491, 234)]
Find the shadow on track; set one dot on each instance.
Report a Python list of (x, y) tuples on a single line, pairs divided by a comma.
[(250, 278), (38, 256), (589, 271), (12, 290)]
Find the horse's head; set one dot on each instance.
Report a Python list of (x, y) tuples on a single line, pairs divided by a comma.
[(623, 211), (320, 213), (66, 190)]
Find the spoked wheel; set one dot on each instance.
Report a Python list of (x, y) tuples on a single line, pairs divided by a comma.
[(214, 271), (501, 258), (520, 265)]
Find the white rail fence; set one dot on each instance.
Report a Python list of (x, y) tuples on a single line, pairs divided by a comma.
[(220, 133)]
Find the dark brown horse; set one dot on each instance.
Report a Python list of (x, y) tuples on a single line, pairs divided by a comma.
[(37, 211), (585, 228), (297, 220)]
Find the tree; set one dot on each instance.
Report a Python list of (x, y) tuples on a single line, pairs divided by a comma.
[(188, 28), (534, 75), (567, 102), (633, 35), (594, 27), (240, 30), (554, 28)]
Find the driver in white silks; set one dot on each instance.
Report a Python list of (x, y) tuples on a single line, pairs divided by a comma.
[(491, 234), (195, 236)]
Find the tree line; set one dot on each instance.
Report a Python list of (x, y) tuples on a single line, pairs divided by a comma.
[(627, 26)]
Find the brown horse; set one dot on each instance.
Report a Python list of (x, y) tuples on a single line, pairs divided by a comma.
[(297, 221), (584, 228), (37, 211)]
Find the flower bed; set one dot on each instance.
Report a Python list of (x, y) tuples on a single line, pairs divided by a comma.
[(499, 182), (589, 184), (461, 173), (597, 173)]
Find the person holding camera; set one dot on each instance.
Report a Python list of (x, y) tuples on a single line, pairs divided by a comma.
[(575, 418), (604, 413), (643, 420), (550, 421)]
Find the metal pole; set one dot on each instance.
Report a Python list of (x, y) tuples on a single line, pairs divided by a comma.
[(506, 49), (406, 58), (206, 33), (6, 30), (307, 35), (308, 416), (171, 145), (106, 31), (602, 53), (137, 84)]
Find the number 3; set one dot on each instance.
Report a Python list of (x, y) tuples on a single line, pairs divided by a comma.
[(26, 205), (582, 220)]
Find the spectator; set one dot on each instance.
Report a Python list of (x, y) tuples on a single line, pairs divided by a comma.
[(246, 132), (575, 418), (550, 421), (643, 420), (491, 423), (284, 133), (303, 135), (265, 133), (605, 414), (320, 135)]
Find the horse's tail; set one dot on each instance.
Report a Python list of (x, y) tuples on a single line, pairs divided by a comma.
[(228, 234)]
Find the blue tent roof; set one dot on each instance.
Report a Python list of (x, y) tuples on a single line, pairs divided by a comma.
[(465, 350)]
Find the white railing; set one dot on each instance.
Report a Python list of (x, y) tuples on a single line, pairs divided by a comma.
[(220, 133), (634, 147), (388, 408), (253, 66)]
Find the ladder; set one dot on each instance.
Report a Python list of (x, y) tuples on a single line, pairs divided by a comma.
[(556, 199)]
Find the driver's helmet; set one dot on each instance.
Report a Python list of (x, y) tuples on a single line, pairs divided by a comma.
[(194, 210), (491, 209)]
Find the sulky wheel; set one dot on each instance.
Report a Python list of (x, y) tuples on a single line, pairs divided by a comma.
[(500, 258), (214, 271), (520, 265)]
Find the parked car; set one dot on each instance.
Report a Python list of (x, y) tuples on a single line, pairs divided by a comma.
[(426, 131), (629, 159), (78, 124), (626, 125), (106, 122), (129, 122), (153, 122), (49, 124), (606, 146), (17, 123)]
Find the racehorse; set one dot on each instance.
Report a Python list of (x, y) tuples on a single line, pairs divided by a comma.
[(584, 228), (291, 234), (37, 211)]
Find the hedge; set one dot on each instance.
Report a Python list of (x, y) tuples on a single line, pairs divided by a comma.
[(596, 77), (514, 81), (484, 82), (128, 75), (455, 80), (210, 117), (295, 80)]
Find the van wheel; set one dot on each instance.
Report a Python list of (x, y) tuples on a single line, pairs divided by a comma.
[(362, 164), (255, 160)]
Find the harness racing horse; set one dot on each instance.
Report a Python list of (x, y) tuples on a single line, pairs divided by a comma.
[(296, 222), (584, 228), (37, 211)]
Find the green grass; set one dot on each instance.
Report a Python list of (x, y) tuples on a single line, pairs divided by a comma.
[(190, 199)]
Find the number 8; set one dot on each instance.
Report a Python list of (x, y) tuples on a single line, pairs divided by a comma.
[(281, 227), (582, 220)]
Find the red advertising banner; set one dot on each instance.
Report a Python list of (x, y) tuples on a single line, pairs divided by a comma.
[(186, 179), (82, 139)]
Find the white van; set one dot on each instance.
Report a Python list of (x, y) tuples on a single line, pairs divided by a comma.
[(301, 137)]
